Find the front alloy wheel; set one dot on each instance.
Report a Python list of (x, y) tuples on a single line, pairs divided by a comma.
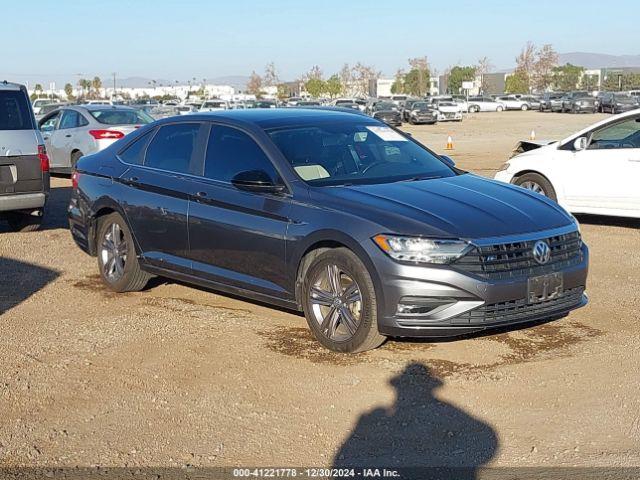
[(336, 303), (340, 302), (537, 183)]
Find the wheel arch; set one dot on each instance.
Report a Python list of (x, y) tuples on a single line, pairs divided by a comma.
[(325, 240), (102, 208)]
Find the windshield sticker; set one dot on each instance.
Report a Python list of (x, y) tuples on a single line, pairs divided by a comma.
[(387, 134)]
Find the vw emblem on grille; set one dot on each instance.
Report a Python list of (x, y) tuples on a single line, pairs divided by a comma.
[(541, 252)]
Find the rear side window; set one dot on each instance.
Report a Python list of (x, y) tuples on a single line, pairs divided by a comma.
[(231, 151), (134, 153), (172, 148), (14, 111), (72, 119), (114, 116)]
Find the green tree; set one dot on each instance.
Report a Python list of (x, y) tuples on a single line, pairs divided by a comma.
[(334, 86), (96, 83), (518, 82), (283, 91), (315, 86), (566, 77), (615, 81), (459, 75), (68, 90)]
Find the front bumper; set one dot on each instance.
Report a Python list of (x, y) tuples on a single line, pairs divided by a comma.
[(449, 116), (457, 302)]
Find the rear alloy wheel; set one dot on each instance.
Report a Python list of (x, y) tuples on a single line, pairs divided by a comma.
[(524, 107), (117, 260), (75, 156), (537, 183), (340, 302), (499, 109)]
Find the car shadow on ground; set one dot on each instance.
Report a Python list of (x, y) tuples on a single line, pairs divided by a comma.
[(624, 222), (421, 435), (19, 280), (55, 212)]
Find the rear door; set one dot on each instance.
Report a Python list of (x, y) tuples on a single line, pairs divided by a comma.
[(157, 197), (67, 137), (20, 170)]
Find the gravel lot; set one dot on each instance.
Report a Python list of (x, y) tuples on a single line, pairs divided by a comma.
[(177, 375)]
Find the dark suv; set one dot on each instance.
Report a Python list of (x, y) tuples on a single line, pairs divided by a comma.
[(367, 231), (617, 102), (24, 165)]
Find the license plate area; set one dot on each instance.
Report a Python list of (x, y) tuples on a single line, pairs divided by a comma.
[(545, 287)]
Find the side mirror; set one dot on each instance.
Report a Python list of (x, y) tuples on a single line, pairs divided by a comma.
[(448, 160), (580, 144), (257, 181)]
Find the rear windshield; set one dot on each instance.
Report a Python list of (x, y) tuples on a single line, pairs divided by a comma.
[(121, 117), (14, 111)]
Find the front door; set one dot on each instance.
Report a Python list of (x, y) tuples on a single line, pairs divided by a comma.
[(238, 237), (605, 175)]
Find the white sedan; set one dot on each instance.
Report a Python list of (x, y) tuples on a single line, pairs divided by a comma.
[(484, 104), (594, 171), (511, 102)]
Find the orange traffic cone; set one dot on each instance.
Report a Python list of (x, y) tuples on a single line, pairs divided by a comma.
[(449, 143), (533, 135)]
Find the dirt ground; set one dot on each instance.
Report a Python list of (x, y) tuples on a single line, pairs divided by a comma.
[(177, 376)]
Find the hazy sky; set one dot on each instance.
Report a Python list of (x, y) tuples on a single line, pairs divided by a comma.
[(177, 40)]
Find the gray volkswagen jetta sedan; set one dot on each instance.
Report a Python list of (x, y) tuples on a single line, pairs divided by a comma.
[(367, 231)]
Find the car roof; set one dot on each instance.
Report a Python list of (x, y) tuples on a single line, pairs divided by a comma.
[(95, 107), (4, 85), (279, 117)]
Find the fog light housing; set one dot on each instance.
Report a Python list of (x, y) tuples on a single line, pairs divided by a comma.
[(422, 306)]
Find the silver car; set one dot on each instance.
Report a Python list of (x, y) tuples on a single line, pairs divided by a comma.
[(73, 131)]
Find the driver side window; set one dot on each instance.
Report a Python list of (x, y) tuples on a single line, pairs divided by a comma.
[(625, 134)]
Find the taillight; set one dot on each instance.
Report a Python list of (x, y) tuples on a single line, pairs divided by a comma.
[(106, 134), (44, 158), (75, 176)]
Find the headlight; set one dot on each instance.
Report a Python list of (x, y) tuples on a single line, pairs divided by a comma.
[(421, 250)]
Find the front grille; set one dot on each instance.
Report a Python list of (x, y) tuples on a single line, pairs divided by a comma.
[(515, 259), (520, 310)]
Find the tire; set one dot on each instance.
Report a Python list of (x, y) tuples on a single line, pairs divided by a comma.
[(75, 156), (22, 222), (524, 107), (528, 180), (499, 109), (322, 304), (411, 121), (127, 276)]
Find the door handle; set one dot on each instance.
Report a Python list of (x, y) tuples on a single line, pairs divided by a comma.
[(68, 135)]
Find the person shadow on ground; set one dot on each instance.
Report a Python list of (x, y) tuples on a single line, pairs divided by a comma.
[(419, 435)]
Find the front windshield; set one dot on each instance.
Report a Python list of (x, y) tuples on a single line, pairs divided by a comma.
[(420, 106), (385, 106), (347, 153), (121, 117)]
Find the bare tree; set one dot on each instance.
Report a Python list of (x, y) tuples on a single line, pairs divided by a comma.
[(315, 73), (525, 64), (546, 60), (483, 67), (254, 85), (346, 77), (362, 75), (270, 77)]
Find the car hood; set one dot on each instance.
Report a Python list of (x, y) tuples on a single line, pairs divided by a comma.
[(465, 206)]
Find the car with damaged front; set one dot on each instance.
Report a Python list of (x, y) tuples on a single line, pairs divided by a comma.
[(367, 231)]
